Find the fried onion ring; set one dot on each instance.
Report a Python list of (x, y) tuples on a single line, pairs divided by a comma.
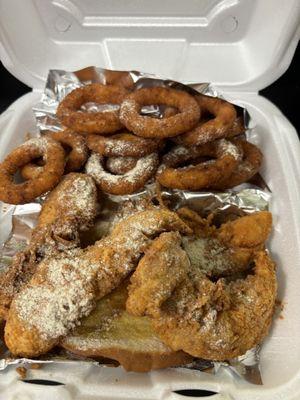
[(246, 168), (122, 145), (218, 127), (187, 117), (75, 159), (202, 175), (120, 78), (103, 122), (120, 165), (19, 193), (237, 128), (128, 183)]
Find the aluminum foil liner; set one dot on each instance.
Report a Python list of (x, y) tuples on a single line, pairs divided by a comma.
[(16, 222)]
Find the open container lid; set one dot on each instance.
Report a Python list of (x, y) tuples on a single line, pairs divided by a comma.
[(239, 45)]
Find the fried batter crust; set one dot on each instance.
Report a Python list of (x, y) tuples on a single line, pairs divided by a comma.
[(98, 270), (228, 249), (69, 208), (211, 320)]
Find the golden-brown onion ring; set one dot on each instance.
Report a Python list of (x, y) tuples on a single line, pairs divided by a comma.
[(19, 193), (70, 115), (128, 183), (200, 176), (219, 126), (122, 145), (245, 169), (148, 127), (75, 159)]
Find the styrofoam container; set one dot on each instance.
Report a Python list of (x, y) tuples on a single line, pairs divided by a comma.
[(239, 46)]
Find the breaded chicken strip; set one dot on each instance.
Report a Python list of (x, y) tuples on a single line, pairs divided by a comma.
[(68, 209), (64, 289)]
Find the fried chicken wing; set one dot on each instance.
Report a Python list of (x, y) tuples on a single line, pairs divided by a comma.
[(211, 320), (64, 289), (219, 321)]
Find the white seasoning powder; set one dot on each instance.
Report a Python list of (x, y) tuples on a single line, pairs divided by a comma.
[(228, 148), (56, 308), (95, 168)]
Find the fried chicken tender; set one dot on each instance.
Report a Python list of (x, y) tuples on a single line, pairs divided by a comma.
[(165, 265), (211, 320), (64, 289), (250, 231), (75, 197), (70, 208)]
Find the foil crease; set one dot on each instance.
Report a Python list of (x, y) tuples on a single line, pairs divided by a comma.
[(17, 222)]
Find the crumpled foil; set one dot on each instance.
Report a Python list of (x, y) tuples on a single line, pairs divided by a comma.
[(16, 222)]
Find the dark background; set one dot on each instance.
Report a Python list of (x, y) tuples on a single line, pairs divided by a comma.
[(285, 92)]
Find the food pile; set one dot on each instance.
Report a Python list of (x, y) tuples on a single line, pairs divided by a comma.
[(194, 146), (164, 286)]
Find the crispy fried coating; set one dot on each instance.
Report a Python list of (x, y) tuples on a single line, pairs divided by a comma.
[(164, 266), (111, 332), (211, 320), (224, 320), (120, 252), (64, 289), (228, 249), (250, 231), (75, 197), (68, 209)]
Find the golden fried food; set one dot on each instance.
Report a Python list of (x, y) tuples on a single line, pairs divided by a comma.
[(64, 288), (187, 117), (250, 231), (217, 127), (132, 181), (76, 156), (228, 249), (246, 168), (24, 192), (224, 159), (45, 241), (212, 320), (74, 197), (70, 208), (71, 115), (164, 266), (123, 144), (200, 226), (111, 332)]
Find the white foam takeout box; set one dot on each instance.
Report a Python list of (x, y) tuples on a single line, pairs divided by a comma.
[(240, 46)]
